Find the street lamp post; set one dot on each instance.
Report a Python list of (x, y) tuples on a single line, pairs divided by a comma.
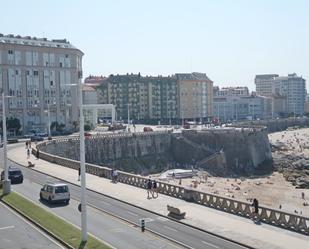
[(7, 181), (82, 167)]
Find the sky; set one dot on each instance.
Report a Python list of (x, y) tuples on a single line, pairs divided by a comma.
[(229, 40)]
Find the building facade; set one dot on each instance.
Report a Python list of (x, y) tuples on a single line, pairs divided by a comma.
[(142, 98), (38, 74), (195, 96), (264, 84), (236, 103), (293, 88)]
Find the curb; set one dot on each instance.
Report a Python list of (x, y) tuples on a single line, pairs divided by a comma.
[(144, 209), (62, 242)]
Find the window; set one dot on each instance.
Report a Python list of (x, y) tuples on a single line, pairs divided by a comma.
[(60, 64), (10, 52), (35, 73), (51, 83)]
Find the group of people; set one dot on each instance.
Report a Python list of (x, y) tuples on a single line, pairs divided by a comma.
[(152, 188), (28, 148)]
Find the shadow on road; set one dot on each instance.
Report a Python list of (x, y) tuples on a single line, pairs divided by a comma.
[(53, 205)]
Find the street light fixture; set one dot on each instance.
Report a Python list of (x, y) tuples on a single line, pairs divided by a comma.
[(82, 163), (7, 181)]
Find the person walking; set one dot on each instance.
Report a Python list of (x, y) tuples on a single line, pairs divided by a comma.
[(255, 205), (116, 175), (149, 188), (78, 174), (155, 188)]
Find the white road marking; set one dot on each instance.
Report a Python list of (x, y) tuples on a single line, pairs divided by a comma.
[(162, 218), (173, 229), (8, 227), (209, 244), (134, 214)]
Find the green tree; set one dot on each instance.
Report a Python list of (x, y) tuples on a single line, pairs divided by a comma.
[(87, 127)]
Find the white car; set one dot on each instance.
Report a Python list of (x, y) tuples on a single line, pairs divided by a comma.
[(55, 192)]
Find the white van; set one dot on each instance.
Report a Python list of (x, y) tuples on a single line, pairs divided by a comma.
[(55, 192)]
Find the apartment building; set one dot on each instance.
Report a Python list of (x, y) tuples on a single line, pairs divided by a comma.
[(142, 98), (264, 84), (292, 87), (38, 74), (288, 93), (195, 96), (236, 103)]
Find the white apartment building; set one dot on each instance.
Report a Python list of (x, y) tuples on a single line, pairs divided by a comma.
[(39, 75), (288, 93), (236, 103), (293, 88)]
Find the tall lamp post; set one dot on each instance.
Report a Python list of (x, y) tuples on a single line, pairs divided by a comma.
[(7, 181), (82, 166)]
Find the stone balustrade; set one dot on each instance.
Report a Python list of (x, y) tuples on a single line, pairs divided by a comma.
[(270, 216)]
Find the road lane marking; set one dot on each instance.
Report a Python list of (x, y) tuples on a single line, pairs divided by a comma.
[(106, 203), (173, 229), (209, 244), (134, 214), (8, 227)]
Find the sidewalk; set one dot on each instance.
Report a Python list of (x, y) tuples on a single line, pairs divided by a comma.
[(230, 226)]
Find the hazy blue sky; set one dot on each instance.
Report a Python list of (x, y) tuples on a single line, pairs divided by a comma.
[(231, 40)]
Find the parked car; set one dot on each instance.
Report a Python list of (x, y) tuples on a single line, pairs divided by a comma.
[(36, 139), (15, 175), (55, 192), (147, 129)]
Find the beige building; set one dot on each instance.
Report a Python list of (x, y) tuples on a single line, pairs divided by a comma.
[(195, 95), (39, 74)]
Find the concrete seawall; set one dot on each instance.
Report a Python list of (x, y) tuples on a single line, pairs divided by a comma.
[(232, 150)]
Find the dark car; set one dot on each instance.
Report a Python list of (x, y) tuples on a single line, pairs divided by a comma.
[(36, 138), (15, 175)]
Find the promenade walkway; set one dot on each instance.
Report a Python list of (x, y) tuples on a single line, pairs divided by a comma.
[(230, 226)]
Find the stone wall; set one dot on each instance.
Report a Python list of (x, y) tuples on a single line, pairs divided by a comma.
[(138, 152), (275, 125), (244, 151)]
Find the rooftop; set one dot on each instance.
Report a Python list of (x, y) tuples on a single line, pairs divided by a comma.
[(34, 41)]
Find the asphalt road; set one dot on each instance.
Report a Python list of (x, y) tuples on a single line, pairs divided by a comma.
[(116, 232), (16, 233)]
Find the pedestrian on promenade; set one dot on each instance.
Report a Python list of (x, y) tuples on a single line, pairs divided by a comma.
[(116, 175), (303, 195), (37, 154), (28, 153), (155, 189), (149, 188), (78, 179), (26, 144), (112, 175), (255, 205)]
